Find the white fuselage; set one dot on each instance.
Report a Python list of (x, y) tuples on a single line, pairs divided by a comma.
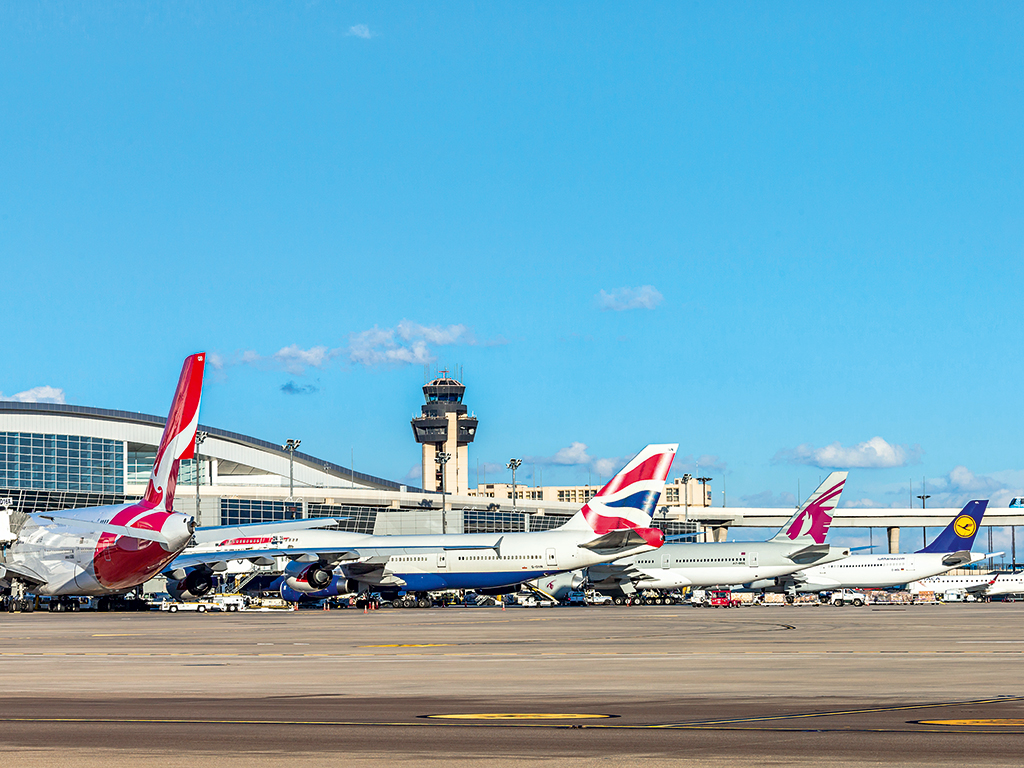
[(77, 561), (988, 584), (432, 562), (710, 564), (875, 571)]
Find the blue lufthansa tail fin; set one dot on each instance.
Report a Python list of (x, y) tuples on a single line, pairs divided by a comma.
[(959, 534)]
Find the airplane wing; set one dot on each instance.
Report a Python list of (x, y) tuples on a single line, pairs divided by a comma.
[(980, 589), (213, 533), (330, 555)]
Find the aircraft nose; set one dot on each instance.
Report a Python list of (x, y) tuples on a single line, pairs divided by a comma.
[(178, 529)]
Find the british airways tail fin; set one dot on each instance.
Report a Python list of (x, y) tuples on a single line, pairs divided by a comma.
[(629, 498), (959, 535), (812, 519), (179, 438)]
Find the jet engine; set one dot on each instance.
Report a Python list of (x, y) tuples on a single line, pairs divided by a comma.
[(194, 585), (308, 577)]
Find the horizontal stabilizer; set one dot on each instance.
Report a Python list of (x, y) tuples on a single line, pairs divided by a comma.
[(957, 558), (118, 530), (8, 571), (625, 539)]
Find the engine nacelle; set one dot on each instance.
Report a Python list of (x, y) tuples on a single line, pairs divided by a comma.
[(196, 583), (335, 588), (308, 577)]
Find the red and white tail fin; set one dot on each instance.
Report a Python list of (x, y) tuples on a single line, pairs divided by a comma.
[(179, 438), (811, 521), (629, 499)]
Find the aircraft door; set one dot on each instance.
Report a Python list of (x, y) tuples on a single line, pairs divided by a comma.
[(552, 557), (752, 559), (442, 561), (666, 560)]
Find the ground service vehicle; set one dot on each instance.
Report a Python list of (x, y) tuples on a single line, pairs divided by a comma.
[(722, 598), (847, 597)]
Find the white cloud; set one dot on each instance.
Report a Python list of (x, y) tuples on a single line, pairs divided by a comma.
[(292, 359), (44, 394), (406, 343), (873, 454), (575, 455), (694, 464), (295, 360), (360, 30), (641, 297)]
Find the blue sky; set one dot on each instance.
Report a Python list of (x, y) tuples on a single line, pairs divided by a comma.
[(772, 233)]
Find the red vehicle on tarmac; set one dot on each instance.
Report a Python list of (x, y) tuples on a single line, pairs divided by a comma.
[(722, 598)]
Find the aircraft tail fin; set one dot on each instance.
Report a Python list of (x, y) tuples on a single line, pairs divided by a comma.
[(812, 519), (959, 534), (629, 498), (179, 438)]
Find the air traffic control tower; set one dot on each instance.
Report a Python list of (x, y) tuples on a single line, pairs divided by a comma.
[(445, 427)]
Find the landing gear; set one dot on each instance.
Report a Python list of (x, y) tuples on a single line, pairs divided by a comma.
[(790, 599)]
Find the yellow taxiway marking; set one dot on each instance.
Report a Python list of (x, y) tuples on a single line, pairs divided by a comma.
[(1008, 722), (409, 645), (520, 716)]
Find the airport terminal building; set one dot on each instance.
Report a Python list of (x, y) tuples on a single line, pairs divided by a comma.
[(55, 456)]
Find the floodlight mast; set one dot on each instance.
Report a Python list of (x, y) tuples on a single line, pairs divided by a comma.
[(442, 458), (200, 437), (291, 446), (514, 464)]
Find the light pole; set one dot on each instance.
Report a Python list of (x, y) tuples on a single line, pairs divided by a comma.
[(514, 464), (704, 488), (686, 494), (291, 446), (442, 459), (200, 437), (924, 498)]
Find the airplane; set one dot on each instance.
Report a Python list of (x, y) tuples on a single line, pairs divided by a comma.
[(613, 523), (982, 585), (950, 549), (799, 543), (111, 549)]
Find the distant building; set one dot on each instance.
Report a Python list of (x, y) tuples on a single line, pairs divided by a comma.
[(445, 429), (680, 494)]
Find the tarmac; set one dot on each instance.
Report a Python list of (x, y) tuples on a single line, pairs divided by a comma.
[(660, 685)]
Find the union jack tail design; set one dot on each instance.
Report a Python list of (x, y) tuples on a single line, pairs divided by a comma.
[(629, 499), (811, 521), (179, 438)]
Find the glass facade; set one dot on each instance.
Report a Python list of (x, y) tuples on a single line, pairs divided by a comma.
[(30, 501), (358, 519), (140, 464), (489, 521), (547, 522), (243, 511), (61, 462)]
